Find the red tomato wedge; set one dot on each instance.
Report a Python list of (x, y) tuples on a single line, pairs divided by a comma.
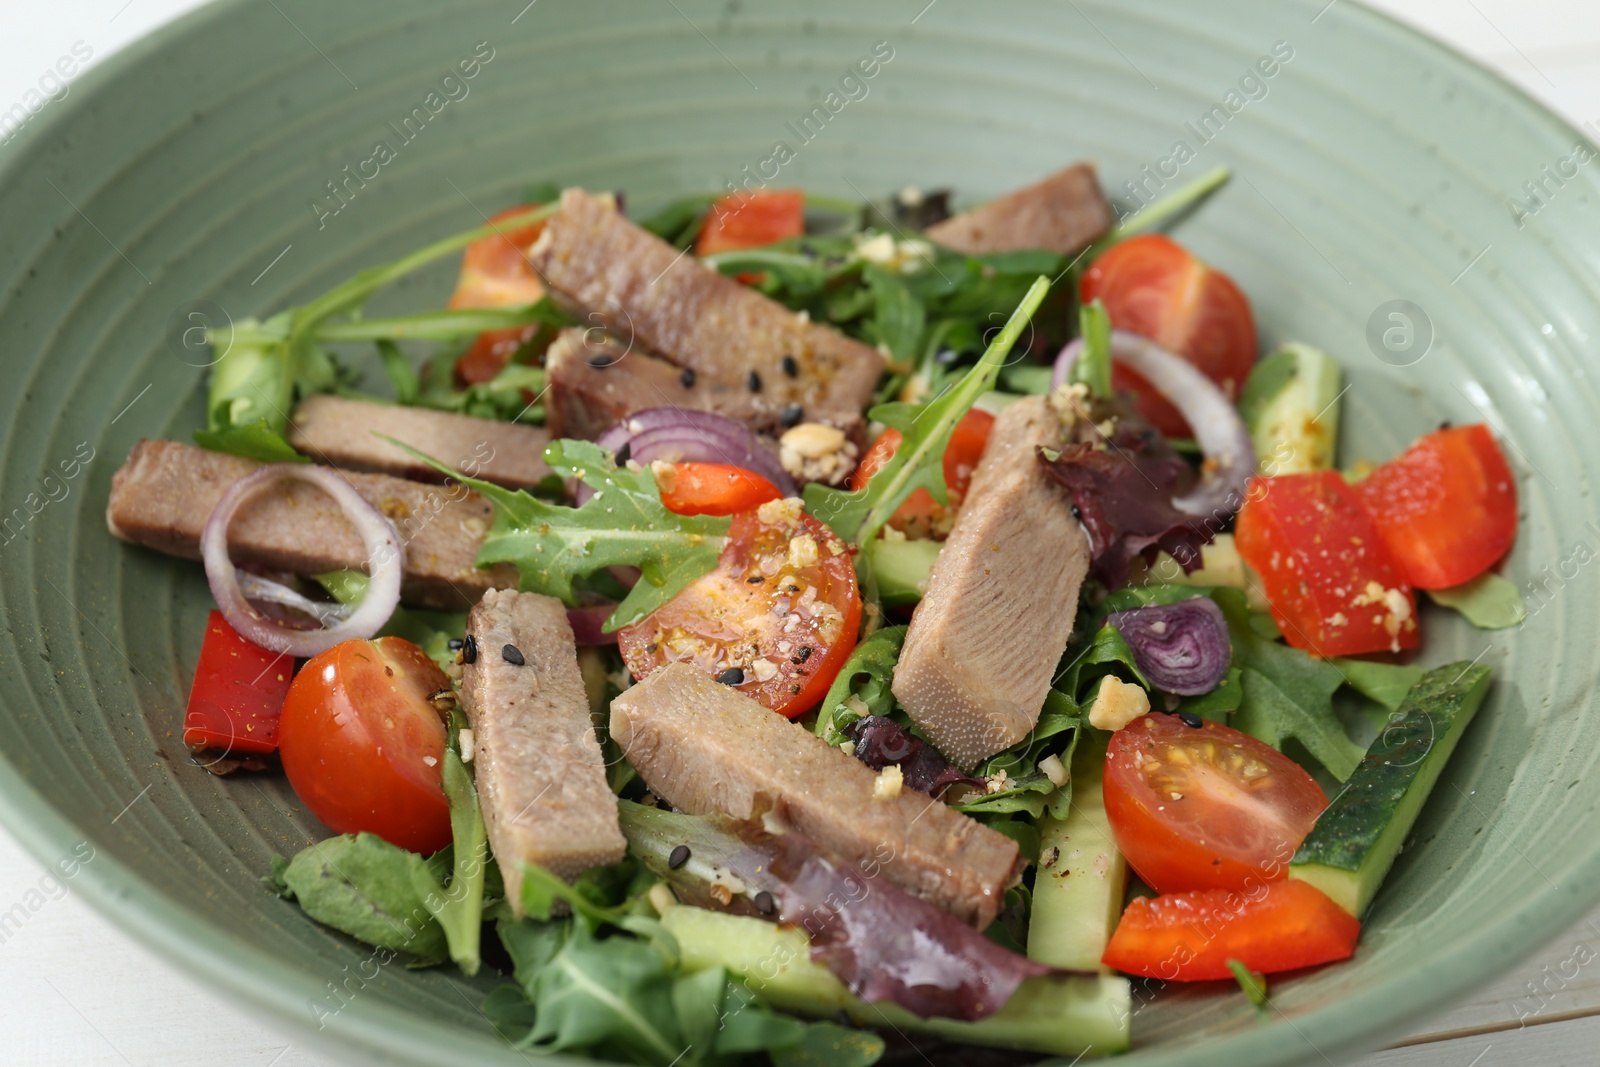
[(238, 692), (363, 746), (714, 489), (776, 619), (1152, 286), (752, 219), (496, 272), (1446, 507), (1274, 926), (1205, 807), (1333, 588), (921, 515)]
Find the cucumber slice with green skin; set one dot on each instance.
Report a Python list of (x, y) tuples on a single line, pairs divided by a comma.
[(1082, 878), (1356, 840), (1290, 404), (901, 569), (1063, 1015)]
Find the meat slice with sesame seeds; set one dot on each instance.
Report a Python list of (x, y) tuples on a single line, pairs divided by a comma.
[(985, 640), (639, 287), (704, 748), (165, 492), (541, 779)]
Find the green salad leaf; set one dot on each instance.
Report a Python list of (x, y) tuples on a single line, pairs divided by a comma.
[(925, 431), (623, 524), (364, 886), (1488, 601), (867, 676)]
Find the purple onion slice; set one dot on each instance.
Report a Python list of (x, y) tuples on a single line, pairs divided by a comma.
[(1181, 648), (688, 435)]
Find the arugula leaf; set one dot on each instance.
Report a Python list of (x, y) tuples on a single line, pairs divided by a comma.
[(1488, 601), (1387, 683), (1253, 985), (1221, 702), (364, 886), (1286, 692), (1093, 368), (1028, 789), (900, 317), (679, 222), (256, 440), (458, 907), (624, 523), (925, 430), (398, 368), (866, 675)]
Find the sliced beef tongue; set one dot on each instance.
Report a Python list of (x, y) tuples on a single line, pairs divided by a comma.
[(705, 748), (541, 778), (985, 640), (165, 492), (750, 357), (1063, 213), (343, 433)]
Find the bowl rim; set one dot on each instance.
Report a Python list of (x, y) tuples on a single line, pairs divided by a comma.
[(280, 994)]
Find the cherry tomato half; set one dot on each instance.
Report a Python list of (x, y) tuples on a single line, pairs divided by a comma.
[(921, 515), (776, 619), (1205, 807), (714, 489), (363, 746), (1446, 507), (751, 219), (1274, 926), (1153, 286), (1328, 577), (496, 272)]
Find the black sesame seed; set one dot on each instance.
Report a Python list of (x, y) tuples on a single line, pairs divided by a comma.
[(731, 676), (512, 655), (687, 377), (805, 653), (765, 904), (678, 857), (1445, 425), (791, 414), (454, 644), (469, 649), (651, 647), (599, 362), (753, 382), (624, 452), (755, 579), (1191, 720), (791, 367), (1076, 513)]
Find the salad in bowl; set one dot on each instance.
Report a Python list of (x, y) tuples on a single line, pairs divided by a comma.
[(783, 624)]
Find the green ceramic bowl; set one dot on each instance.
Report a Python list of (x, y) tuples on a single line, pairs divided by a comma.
[(190, 175)]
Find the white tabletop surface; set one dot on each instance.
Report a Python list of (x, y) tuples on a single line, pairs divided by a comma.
[(75, 990)]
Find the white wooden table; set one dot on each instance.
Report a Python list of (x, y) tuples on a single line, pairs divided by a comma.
[(75, 990)]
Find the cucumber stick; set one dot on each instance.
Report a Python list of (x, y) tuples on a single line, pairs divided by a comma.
[(1063, 1015), (1290, 404), (1078, 892), (1356, 840), (901, 569)]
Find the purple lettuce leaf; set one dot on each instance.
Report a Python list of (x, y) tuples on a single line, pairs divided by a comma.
[(885, 944)]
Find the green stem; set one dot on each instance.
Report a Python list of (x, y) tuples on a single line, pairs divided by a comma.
[(1093, 368), (431, 326), (974, 384), (1158, 212)]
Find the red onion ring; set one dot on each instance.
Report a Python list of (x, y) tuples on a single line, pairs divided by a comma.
[(688, 435), (1182, 648), (385, 556), (1218, 429)]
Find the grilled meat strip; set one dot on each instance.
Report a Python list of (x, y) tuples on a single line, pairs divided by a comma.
[(340, 432), (541, 780), (1062, 213), (705, 747), (645, 291), (165, 492), (986, 638)]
